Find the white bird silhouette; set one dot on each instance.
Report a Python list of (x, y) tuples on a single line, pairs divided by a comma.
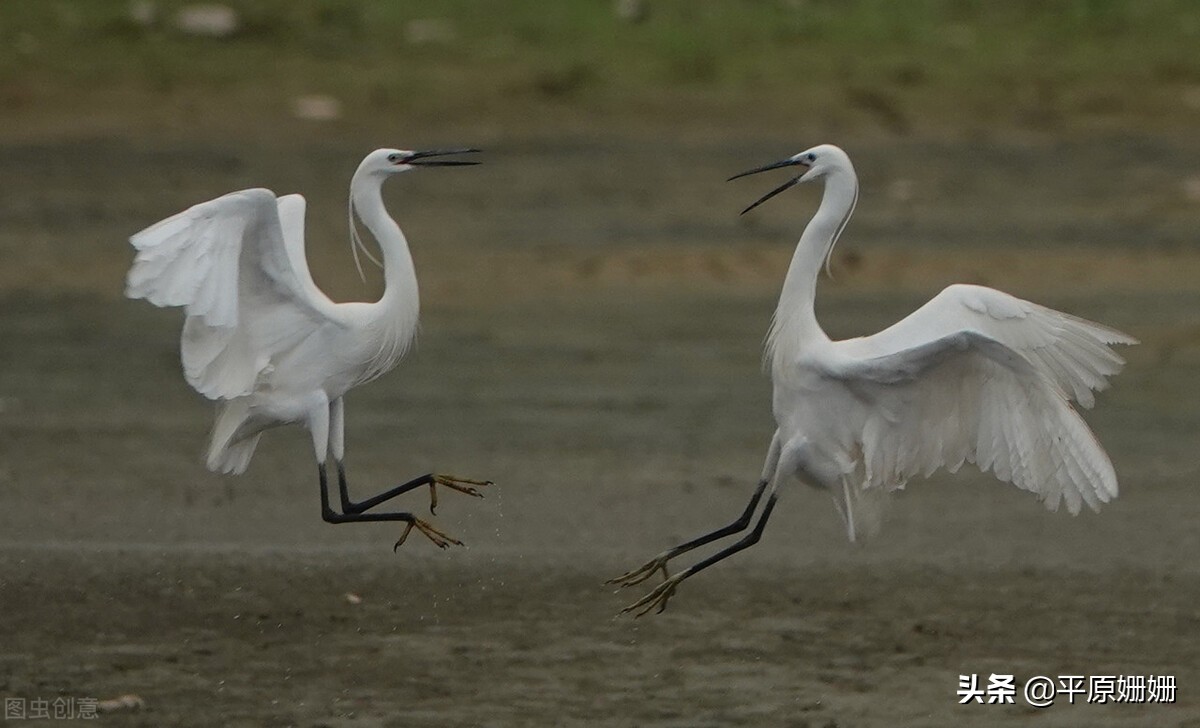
[(975, 375), (266, 343)]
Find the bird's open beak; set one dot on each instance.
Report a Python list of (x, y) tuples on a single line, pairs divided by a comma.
[(789, 162), (421, 159)]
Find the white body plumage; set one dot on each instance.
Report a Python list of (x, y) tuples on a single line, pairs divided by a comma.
[(975, 375), (259, 336)]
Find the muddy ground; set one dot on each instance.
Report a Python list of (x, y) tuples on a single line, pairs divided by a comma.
[(593, 311)]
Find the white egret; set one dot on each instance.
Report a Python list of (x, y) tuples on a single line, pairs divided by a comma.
[(975, 375), (267, 344)]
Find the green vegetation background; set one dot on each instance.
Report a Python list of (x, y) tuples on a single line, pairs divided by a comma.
[(894, 66)]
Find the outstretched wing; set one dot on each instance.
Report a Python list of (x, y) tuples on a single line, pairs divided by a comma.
[(1075, 354), (236, 265), (966, 397)]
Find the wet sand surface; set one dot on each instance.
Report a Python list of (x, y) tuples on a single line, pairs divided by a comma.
[(591, 342)]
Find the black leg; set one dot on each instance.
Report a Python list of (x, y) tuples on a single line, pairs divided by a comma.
[(433, 480), (344, 488), (331, 516), (663, 592), (745, 543), (349, 506), (736, 527), (660, 562)]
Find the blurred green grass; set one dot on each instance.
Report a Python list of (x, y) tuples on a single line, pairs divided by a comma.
[(897, 66)]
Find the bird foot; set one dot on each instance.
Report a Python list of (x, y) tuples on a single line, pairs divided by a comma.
[(462, 485), (441, 540), (657, 599), (643, 572)]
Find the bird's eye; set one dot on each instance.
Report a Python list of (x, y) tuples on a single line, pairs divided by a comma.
[(811, 157), (393, 157)]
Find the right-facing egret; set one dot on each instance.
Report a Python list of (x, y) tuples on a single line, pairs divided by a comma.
[(975, 375), (267, 344)]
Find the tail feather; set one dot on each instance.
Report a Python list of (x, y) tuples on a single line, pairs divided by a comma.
[(861, 509), (231, 446), (234, 459)]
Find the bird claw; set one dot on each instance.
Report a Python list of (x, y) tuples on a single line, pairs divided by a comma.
[(643, 572), (462, 485), (656, 600), (439, 539)]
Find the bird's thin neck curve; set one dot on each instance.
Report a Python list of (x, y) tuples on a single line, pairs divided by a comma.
[(399, 274), (795, 324)]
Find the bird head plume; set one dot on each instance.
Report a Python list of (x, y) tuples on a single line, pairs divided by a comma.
[(356, 244)]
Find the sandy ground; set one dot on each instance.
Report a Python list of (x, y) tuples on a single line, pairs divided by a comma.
[(591, 342)]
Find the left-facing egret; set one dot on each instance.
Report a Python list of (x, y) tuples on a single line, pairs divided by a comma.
[(263, 341), (975, 375)]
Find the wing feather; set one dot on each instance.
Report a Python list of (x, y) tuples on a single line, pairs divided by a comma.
[(968, 397), (236, 265), (1074, 353)]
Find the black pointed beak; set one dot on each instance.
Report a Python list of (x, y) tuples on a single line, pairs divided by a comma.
[(772, 193), (421, 159), (789, 162)]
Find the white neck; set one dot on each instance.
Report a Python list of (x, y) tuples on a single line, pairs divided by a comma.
[(400, 292), (795, 327)]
